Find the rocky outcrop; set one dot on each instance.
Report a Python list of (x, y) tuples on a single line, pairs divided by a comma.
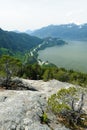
[(16, 84), (21, 110)]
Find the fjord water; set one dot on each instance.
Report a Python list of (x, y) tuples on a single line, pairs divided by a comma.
[(70, 56)]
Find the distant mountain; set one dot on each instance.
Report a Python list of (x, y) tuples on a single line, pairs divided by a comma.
[(17, 42), (28, 31), (17, 31), (65, 31)]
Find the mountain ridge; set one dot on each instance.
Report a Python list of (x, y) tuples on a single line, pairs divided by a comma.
[(17, 42), (63, 31)]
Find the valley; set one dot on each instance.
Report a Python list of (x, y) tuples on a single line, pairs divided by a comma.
[(47, 42), (35, 61)]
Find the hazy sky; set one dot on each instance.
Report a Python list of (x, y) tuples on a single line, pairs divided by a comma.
[(33, 14)]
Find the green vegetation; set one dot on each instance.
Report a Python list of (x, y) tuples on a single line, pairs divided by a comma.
[(64, 75), (21, 45), (44, 118), (64, 103), (44, 72), (67, 105), (11, 43), (9, 67), (11, 63), (49, 42)]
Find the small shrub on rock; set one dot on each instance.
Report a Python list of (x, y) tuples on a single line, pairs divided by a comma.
[(44, 118), (68, 105)]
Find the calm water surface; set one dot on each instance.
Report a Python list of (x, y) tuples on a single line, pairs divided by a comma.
[(70, 56)]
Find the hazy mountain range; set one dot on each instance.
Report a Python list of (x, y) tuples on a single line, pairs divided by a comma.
[(17, 41), (63, 31)]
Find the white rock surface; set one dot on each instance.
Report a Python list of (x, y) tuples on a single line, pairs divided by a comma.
[(47, 88), (21, 110)]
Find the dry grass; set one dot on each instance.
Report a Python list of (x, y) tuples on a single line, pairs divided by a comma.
[(80, 126)]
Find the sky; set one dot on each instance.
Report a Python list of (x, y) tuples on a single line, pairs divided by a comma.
[(33, 14)]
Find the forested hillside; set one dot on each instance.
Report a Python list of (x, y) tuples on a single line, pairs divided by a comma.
[(11, 42)]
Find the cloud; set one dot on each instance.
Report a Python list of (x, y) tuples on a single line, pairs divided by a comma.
[(24, 14), (76, 16), (74, 13)]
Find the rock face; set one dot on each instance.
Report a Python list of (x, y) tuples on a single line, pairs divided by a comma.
[(16, 84), (21, 110)]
